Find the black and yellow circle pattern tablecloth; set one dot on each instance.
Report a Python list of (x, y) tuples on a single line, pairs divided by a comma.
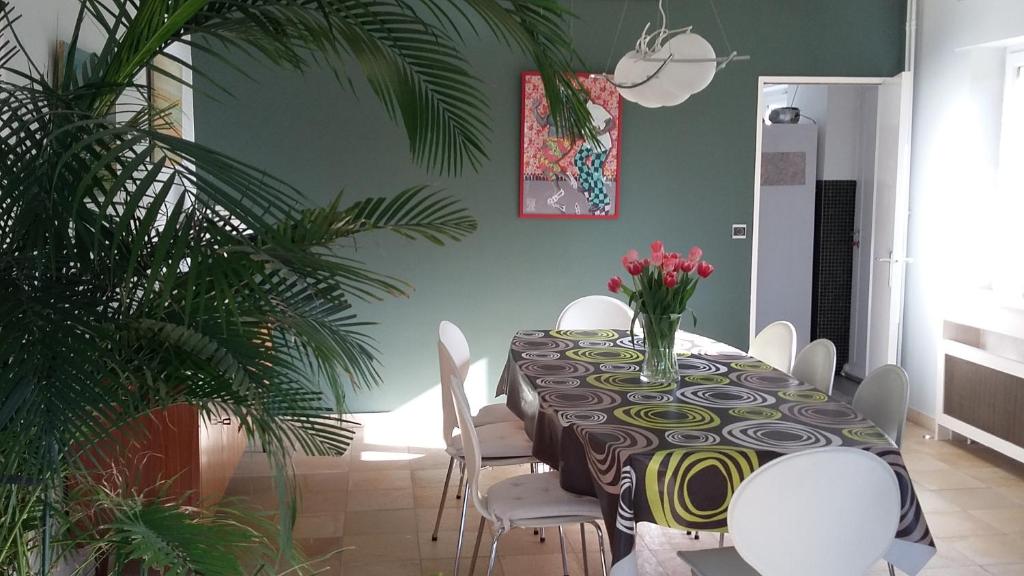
[(673, 454)]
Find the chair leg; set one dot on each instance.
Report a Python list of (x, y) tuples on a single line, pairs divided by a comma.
[(462, 529), (444, 496), (600, 548), (583, 546), (476, 547), (462, 478), (494, 552), (892, 571), (533, 470), (565, 559), (721, 539)]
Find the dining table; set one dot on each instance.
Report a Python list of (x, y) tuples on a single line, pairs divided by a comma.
[(673, 453)]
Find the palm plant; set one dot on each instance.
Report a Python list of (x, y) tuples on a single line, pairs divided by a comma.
[(139, 270)]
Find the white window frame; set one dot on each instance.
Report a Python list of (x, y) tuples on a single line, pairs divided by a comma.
[(1008, 280)]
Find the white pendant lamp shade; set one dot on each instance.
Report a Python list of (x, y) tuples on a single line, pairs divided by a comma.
[(652, 82), (633, 70), (682, 75)]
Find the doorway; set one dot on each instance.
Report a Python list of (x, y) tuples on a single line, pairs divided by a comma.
[(828, 211)]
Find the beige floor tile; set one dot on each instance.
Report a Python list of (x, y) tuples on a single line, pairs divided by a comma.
[(993, 476), (935, 501), (433, 477), (1015, 493), (951, 524), (379, 500), (444, 567), (446, 542), (530, 564), (319, 525), (945, 480), (320, 483), (999, 549), (959, 571), (979, 499), (373, 548), (918, 462), (1007, 520), (1006, 569), (380, 521), (430, 497), (947, 555), (385, 567), (380, 480), (425, 518)]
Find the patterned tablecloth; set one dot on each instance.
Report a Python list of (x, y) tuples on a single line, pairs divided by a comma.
[(673, 454)]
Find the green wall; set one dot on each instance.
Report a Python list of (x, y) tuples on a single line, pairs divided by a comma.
[(687, 174)]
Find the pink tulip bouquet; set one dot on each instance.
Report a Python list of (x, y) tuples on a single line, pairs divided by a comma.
[(662, 285)]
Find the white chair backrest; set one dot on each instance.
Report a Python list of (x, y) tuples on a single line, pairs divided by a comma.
[(839, 524), (816, 365), (453, 358), (592, 312), (470, 447), (883, 397), (775, 345)]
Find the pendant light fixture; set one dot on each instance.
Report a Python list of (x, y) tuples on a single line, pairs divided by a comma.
[(668, 66)]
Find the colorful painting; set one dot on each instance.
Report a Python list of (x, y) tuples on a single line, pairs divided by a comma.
[(166, 93), (565, 178)]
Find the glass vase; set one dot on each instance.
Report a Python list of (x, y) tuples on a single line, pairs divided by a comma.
[(660, 339)]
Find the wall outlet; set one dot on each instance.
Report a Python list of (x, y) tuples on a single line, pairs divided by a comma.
[(739, 231)]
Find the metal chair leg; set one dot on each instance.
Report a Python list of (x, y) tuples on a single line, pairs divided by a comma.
[(444, 496), (583, 546), (533, 470), (600, 547), (892, 571), (494, 552), (462, 529), (462, 478), (565, 559), (721, 539), (476, 547)]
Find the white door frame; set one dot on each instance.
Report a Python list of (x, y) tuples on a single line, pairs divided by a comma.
[(759, 119)]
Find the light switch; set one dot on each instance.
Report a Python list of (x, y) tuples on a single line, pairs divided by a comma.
[(739, 231)]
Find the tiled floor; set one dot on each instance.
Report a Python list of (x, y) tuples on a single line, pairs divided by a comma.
[(379, 501)]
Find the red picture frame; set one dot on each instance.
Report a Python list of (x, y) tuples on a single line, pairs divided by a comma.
[(563, 179)]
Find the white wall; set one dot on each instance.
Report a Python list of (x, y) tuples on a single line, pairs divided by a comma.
[(43, 23), (785, 242), (957, 107)]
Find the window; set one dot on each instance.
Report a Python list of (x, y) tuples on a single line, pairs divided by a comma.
[(1008, 278)]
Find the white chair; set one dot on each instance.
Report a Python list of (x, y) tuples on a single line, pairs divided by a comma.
[(775, 345), (816, 365), (839, 524), (501, 443), (524, 501), (883, 397), (593, 312)]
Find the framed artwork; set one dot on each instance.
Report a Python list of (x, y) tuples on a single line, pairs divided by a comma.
[(565, 178), (166, 96)]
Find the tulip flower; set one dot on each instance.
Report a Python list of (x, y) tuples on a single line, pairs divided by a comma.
[(657, 258), (695, 254), (631, 256), (686, 266), (614, 284), (669, 265), (704, 269), (670, 280), (635, 268), (657, 247)]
